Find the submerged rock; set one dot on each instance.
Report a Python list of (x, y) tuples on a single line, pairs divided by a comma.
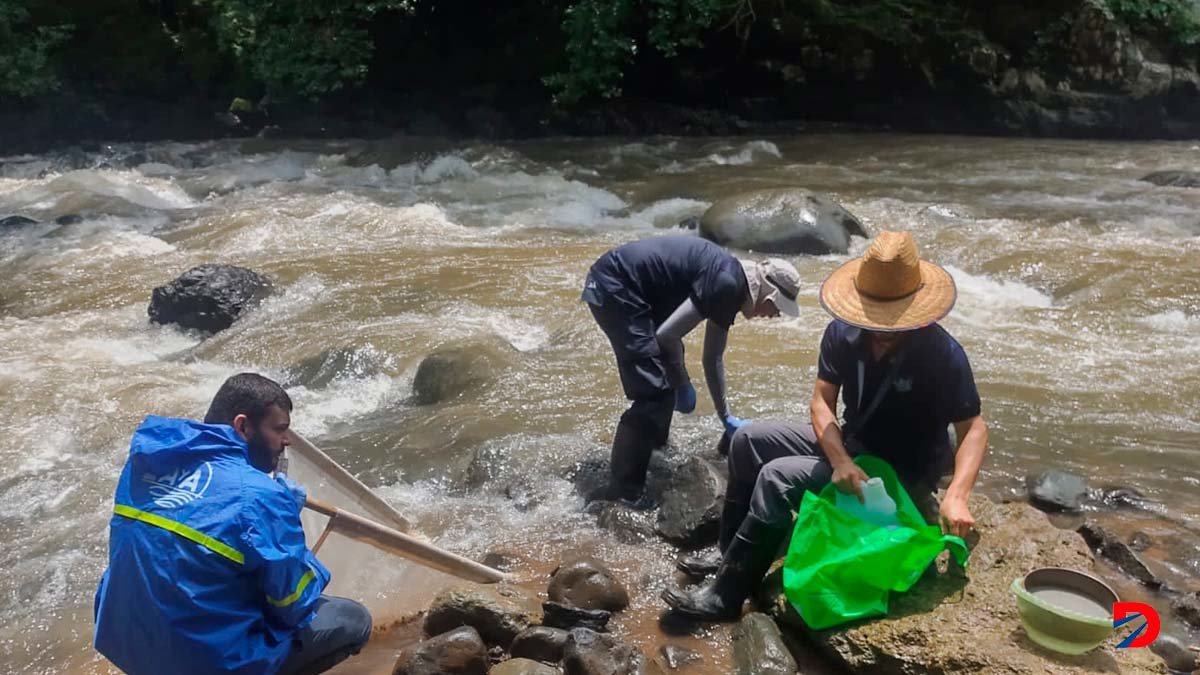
[(457, 652), (1118, 552), (1187, 608), (628, 526), (454, 370), (758, 648), (587, 584), (16, 221), (676, 657), (499, 612), (208, 298), (1174, 178), (783, 221), (956, 622)]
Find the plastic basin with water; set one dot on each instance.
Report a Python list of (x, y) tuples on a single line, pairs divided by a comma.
[(1065, 610)]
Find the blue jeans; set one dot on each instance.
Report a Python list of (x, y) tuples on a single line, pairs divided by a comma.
[(339, 630)]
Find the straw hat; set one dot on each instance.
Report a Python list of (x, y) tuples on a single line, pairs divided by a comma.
[(890, 288)]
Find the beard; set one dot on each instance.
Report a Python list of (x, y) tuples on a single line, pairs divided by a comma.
[(262, 456)]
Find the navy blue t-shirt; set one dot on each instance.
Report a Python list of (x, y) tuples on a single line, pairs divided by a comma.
[(656, 275), (933, 388)]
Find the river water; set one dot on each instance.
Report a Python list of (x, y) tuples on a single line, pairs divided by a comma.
[(1079, 307)]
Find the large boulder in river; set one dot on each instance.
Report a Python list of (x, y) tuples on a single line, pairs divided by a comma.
[(456, 369), (967, 622), (1174, 178), (208, 298), (15, 222), (783, 221)]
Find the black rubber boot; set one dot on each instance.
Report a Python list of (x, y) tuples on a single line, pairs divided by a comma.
[(732, 514), (743, 566), (637, 433)]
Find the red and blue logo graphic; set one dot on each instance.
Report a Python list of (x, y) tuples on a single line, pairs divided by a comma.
[(1143, 635)]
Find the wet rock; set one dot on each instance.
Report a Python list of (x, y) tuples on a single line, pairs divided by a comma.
[(454, 370), (676, 657), (1140, 541), (1177, 657), (949, 624), (499, 560), (1056, 490), (689, 223), (587, 584), (758, 648), (1174, 178), (590, 476), (557, 615), (499, 612), (523, 496), (628, 526), (16, 221), (783, 221), (1118, 552), (457, 652), (541, 643), (690, 515), (318, 371), (69, 219), (1120, 498), (1187, 607), (522, 667), (591, 653), (208, 298)]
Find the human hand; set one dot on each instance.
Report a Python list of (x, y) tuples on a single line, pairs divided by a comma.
[(732, 424), (685, 398), (956, 518), (848, 477)]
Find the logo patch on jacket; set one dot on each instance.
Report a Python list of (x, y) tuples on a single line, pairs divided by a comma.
[(903, 385), (179, 487)]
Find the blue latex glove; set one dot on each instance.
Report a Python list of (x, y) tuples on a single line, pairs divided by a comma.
[(685, 398), (297, 490), (732, 424)]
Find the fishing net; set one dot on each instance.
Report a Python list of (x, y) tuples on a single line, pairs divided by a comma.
[(391, 587)]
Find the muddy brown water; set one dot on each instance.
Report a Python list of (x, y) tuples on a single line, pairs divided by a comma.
[(1079, 307)]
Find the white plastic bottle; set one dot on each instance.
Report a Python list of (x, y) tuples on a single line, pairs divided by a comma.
[(878, 508)]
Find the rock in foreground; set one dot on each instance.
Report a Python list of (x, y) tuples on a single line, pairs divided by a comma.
[(499, 612), (782, 221), (208, 298)]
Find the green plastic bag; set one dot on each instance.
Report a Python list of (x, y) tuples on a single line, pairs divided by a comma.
[(839, 568)]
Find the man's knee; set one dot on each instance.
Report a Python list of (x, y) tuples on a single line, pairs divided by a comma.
[(354, 622), (743, 461)]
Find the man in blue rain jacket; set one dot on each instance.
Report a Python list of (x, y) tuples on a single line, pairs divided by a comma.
[(208, 570)]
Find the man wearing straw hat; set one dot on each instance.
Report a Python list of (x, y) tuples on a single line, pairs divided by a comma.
[(903, 380), (646, 296)]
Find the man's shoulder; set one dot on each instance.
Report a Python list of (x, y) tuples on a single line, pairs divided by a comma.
[(940, 339)]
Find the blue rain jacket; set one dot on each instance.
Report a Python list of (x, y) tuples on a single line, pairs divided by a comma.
[(207, 567)]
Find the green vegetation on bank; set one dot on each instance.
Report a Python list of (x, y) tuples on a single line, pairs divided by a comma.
[(577, 49)]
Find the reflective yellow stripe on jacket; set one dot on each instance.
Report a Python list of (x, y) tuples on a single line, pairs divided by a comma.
[(303, 584), (186, 532)]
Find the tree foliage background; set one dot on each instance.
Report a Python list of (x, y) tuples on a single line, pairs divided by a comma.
[(578, 50)]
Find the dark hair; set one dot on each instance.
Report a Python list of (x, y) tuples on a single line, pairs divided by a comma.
[(248, 394)]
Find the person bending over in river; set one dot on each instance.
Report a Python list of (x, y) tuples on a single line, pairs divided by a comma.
[(646, 296), (903, 380), (207, 567)]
